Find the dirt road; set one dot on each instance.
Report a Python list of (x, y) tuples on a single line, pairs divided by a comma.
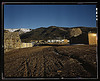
[(52, 61)]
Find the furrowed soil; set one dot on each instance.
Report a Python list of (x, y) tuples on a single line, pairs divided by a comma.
[(75, 61)]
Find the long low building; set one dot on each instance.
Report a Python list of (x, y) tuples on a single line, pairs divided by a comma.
[(58, 41), (25, 45)]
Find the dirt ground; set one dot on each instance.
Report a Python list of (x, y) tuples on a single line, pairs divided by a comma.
[(75, 61)]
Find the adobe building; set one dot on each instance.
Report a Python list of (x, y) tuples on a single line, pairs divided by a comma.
[(58, 41), (92, 38), (25, 45), (66, 41), (11, 40)]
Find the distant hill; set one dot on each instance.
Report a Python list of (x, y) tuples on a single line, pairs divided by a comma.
[(53, 32)]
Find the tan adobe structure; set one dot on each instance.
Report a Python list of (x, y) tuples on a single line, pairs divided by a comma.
[(92, 37), (24, 45), (66, 41), (11, 40)]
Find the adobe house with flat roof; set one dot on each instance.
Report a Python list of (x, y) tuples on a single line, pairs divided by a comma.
[(92, 38)]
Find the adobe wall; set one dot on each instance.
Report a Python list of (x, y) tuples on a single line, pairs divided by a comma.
[(25, 45), (11, 41), (92, 37)]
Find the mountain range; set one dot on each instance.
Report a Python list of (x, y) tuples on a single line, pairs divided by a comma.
[(51, 32), (54, 32)]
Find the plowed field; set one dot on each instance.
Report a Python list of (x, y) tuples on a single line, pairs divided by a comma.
[(75, 61)]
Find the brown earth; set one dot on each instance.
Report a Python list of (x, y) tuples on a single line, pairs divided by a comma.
[(75, 61)]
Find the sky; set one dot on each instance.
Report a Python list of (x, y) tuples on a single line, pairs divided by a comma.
[(35, 16)]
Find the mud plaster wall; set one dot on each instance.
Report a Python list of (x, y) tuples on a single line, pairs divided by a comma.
[(92, 37), (11, 41)]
